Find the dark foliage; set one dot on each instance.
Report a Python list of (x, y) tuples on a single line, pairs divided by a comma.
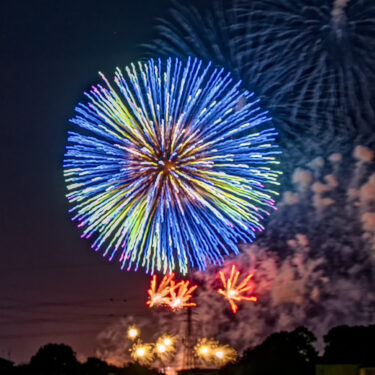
[(289, 353), (95, 366), (350, 345), (59, 359), (136, 369), (282, 353), (55, 359)]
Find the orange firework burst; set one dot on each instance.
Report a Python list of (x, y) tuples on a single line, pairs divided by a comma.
[(175, 295), (159, 296), (233, 292), (181, 294)]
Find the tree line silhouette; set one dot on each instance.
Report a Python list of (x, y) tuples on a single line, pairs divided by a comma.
[(289, 353)]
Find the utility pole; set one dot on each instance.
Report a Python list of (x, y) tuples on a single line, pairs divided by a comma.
[(188, 358)]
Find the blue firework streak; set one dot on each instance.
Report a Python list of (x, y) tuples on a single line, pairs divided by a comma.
[(310, 61), (177, 171), (329, 46)]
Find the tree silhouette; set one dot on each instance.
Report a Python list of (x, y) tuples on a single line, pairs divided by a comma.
[(137, 369), (350, 345), (6, 366), (55, 359), (95, 366), (289, 353)]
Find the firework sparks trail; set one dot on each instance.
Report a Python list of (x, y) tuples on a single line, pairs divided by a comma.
[(175, 295), (159, 295), (331, 57), (142, 352), (315, 260), (210, 352), (224, 354), (311, 62), (181, 295), (165, 347), (233, 292), (302, 279)]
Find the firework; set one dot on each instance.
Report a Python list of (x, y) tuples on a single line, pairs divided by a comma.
[(235, 291), (310, 61), (175, 295), (209, 351), (159, 296), (165, 347), (222, 34), (174, 174), (326, 273), (142, 352), (204, 350), (181, 295), (133, 332), (224, 354), (329, 47)]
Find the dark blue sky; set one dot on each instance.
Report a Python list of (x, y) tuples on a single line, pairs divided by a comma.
[(53, 287)]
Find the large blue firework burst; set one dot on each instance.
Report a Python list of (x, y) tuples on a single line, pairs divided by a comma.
[(177, 169)]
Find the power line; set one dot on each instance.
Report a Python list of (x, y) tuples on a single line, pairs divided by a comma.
[(55, 333)]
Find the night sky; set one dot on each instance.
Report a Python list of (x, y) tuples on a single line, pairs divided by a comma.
[(314, 265), (53, 287)]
